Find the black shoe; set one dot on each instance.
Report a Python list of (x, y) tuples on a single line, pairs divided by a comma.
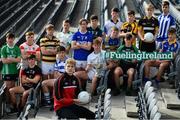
[(115, 92), (19, 112)]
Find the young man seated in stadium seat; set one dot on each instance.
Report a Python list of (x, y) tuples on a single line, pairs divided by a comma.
[(59, 69), (128, 65), (111, 42), (66, 90), (30, 78), (170, 45), (95, 63)]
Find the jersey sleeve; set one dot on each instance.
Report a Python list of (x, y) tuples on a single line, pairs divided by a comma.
[(18, 52), (172, 23), (38, 71), (135, 29), (140, 24), (3, 53), (58, 86), (74, 37)]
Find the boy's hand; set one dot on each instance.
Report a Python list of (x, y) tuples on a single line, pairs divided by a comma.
[(77, 101)]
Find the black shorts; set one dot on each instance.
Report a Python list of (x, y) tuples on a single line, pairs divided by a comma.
[(28, 86), (125, 67), (10, 77), (147, 47)]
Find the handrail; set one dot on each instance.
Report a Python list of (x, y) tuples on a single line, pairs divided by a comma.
[(19, 11), (15, 25), (71, 10), (33, 23), (6, 5), (4, 14), (87, 9), (50, 20)]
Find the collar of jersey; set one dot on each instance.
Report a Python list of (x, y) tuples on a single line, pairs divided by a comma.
[(172, 42), (114, 22)]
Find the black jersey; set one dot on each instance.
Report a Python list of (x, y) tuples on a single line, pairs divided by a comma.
[(95, 32), (31, 73), (148, 25)]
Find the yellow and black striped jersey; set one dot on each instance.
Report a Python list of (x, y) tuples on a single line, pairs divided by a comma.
[(49, 44)]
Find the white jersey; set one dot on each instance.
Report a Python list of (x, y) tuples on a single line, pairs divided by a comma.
[(109, 24), (29, 49), (65, 38), (97, 61)]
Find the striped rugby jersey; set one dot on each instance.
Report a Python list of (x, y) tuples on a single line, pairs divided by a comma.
[(49, 44), (165, 22)]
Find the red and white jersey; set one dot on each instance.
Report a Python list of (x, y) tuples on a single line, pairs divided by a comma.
[(29, 49)]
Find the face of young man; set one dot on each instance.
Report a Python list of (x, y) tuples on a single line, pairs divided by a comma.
[(66, 26), (171, 36), (114, 34), (165, 9), (128, 41), (94, 23), (31, 61), (61, 55), (114, 15), (149, 12), (131, 18), (83, 26), (70, 69), (50, 31), (97, 47), (30, 39), (10, 41)]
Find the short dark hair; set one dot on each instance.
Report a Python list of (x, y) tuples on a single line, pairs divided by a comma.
[(165, 3), (131, 12), (66, 21), (128, 36), (31, 56), (83, 20), (10, 35), (172, 30), (115, 10), (94, 17), (61, 48)]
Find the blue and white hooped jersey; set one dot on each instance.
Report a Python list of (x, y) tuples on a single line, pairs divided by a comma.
[(60, 65), (165, 22), (82, 38)]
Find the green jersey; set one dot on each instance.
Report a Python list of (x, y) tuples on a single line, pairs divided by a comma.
[(10, 52)]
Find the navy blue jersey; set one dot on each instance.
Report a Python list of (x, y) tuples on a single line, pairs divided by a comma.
[(82, 38)]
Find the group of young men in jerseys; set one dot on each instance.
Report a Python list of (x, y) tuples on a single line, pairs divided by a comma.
[(68, 61)]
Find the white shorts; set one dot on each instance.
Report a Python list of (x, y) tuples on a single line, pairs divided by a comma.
[(81, 64), (47, 68), (158, 45), (91, 74)]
